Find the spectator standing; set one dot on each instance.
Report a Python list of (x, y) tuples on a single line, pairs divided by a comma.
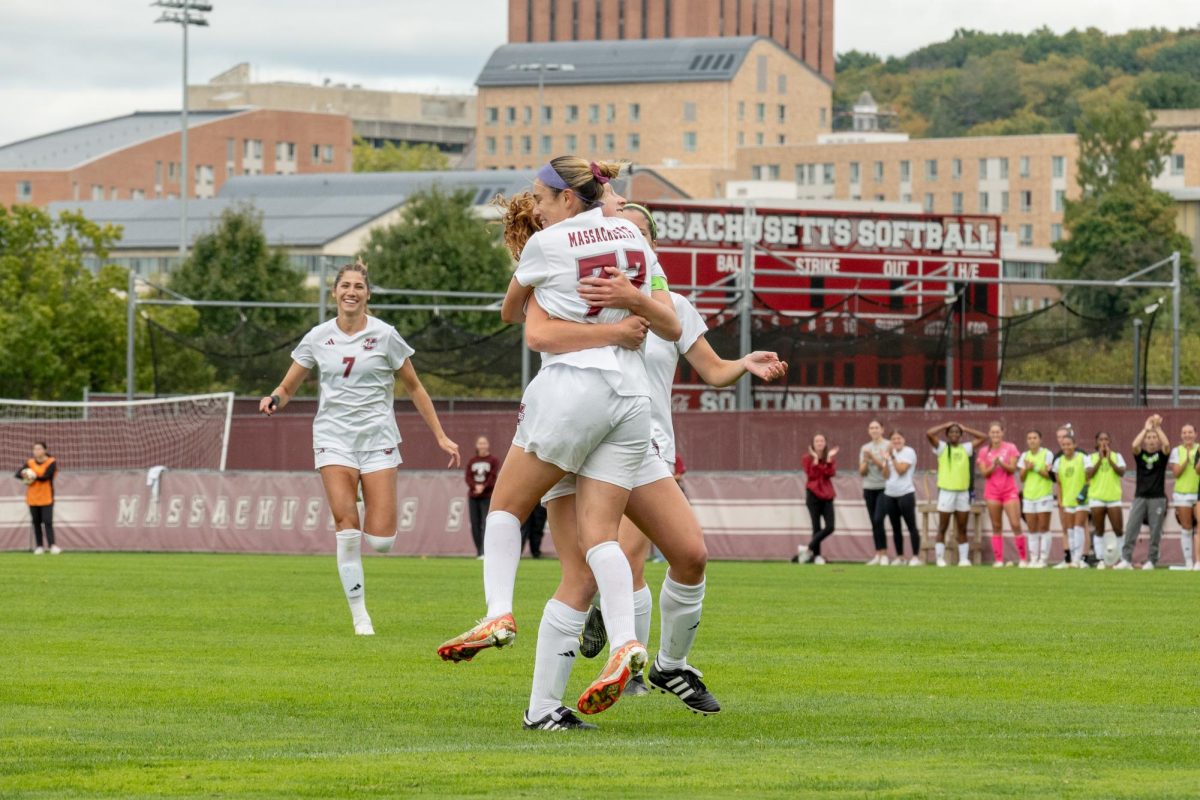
[(532, 530), (38, 477), (872, 458), (899, 499), (1150, 449), (481, 477), (819, 466)]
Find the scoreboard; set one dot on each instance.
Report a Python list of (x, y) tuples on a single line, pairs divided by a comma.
[(832, 276)]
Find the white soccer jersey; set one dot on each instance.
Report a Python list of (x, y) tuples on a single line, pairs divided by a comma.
[(554, 260), (358, 384), (661, 359)]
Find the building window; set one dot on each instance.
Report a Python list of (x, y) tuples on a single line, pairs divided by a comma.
[(610, 143), (592, 143), (526, 145), (490, 115), (1004, 202), (527, 114), (801, 174), (1060, 199), (760, 112), (508, 145), (510, 115), (689, 112), (983, 202), (782, 113), (24, 191), (593, 113), (1177, 164), (758, 138), (1058, 166), (827, 174), (878, 171), (983, 169), (781, 83), (327, 153), (741, 110), (544, 149), (1003, 169), (635, 112), (634, 142), (1026, 201), (931, 169), (572, 143), (1055, 232), (491, 145), (906, 198), (855, 177), (1026, 235), (1023, 166), (547, 114), (956, 169), (956, 203), (157, 174), (821, 117), (928, 203), (761, 82), (98, 190), (610, 113), (572, 114), (230, 150), (781, 139), (905, 171), (689, 141), (171, 171), (741, 139), (137, 194)]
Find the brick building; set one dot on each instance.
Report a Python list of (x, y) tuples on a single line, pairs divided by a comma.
[(136, 157), (803, 27), (681, 107)]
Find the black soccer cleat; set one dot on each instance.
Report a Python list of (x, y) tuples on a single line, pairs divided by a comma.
[(563, 719), (594, 636), (636, 687), (686, 685)]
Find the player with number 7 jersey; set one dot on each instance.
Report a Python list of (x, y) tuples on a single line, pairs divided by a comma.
[(355, 437)]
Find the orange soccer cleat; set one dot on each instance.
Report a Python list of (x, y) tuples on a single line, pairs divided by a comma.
[(625, 662), (495, 632)]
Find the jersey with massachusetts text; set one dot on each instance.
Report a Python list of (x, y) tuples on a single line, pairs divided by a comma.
[(358, 384), (556, 258)]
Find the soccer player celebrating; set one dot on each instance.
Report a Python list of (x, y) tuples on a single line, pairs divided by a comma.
[(1037, 492), (355, 438), (1070, 471), (998, 463), (586, 413), (1104, 470), (1187, 484), (954, 484), (1150, 448)]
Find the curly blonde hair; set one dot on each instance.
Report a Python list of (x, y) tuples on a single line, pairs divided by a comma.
[(518, 220)]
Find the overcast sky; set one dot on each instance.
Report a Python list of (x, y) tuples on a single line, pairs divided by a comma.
[(69, 62)]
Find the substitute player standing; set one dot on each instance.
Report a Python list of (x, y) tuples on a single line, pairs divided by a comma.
[(355, 438), (1187, 485), (954, 484), (1037, 493)]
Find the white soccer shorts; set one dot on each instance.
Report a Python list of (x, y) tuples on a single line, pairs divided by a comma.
[(1103, 504), (1074, 509), (1186, 500), (653, 469), (953, 501), (1043, 505), (365, 461), (573, 418)]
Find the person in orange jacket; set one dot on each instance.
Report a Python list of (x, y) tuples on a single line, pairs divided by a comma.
[(38, 476)]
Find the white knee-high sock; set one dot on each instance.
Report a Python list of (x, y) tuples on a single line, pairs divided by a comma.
[(1047, 543), (1035, 547), (557, 643), (964, 552), (940, 547), (1078, 539), (643, 605), (615, 581), (349, 561), (1185, 542), (501, 557), (679, 605), (1098, 546)]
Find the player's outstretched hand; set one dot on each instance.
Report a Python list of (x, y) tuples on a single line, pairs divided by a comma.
[(631, 332), (268, 404), (451, 448), (765, 365), (614, 290)]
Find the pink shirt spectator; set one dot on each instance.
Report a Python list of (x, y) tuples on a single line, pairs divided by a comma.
[(1001, 485)]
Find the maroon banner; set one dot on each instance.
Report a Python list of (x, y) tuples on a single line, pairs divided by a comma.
[(744, 515)]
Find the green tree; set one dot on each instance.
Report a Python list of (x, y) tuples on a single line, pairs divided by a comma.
[(390, 158), (248, 347), (1121, 223), (61, 329)]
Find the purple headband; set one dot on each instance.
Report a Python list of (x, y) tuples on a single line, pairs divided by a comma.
[(549, 176)]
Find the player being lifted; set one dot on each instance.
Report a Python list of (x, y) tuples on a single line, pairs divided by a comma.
[(587, 411), (355, 438)]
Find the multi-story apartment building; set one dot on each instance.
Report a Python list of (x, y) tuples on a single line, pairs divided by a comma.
[(683, 107), (136, 157), (803, 27)]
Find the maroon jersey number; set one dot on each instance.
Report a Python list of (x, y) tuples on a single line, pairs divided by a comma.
[(349, 362), (593, 267)]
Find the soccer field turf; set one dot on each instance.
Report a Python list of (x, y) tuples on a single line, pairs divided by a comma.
[(239, 676)]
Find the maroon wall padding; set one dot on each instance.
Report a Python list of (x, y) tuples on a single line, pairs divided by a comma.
[(714, 441), (745, 515)]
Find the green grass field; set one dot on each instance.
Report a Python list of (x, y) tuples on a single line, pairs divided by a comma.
[(238, 676)]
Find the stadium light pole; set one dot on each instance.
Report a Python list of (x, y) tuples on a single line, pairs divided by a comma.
[(183, 13)]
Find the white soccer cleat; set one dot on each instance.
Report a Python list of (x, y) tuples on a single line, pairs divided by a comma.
[(55, 549), (1099, 564), (998, 564), (819, 560), (883, 561), (37, 551), (915, 562), (874, 562), (1023, 564), (898, 561), (364, 628), (1062, 565), (1123, 564), (967, 563), (941, 562), (1148, 565)]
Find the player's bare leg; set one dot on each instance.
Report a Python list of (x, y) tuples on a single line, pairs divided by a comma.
[(522, 481), (341, 487)]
